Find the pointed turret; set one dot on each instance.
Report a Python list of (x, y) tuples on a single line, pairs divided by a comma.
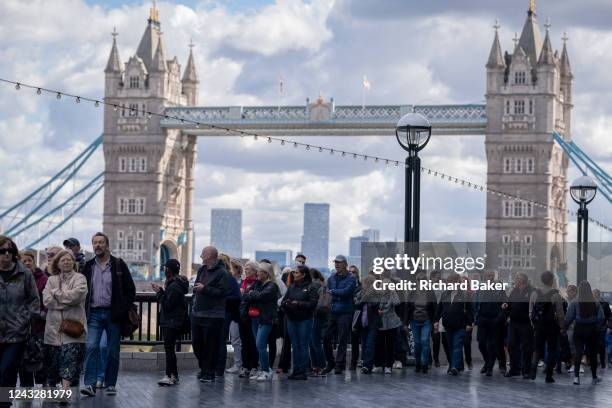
[(531, 39), (496, 58), (190, 80), (114, 63), (546, 55), (190, 74), (159, 60), (566, 69), (150, 39)]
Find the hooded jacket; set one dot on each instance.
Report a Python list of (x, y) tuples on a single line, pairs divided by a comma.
[(210, 301), (172, 302), (19, 303)]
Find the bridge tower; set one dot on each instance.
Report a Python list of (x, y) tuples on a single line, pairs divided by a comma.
[(149, 171), (529, 93)]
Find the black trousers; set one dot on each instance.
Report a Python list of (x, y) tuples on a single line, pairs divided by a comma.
[(585, 339), (520, 345), (284, 362), (383, 351), (250, 356), (601, 347), (467, 348), (10, 358), (206, 333), (546, 339), (337, 325), (171, 335), (503, 338), (488, 342), (355, 342)]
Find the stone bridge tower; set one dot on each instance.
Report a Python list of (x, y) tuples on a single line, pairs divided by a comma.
[(149, 180), (529, 93)]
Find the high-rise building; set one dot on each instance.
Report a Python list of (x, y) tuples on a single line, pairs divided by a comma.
[(315, 241), (282, 256), (354, 256), (226, 231), (373, 235)]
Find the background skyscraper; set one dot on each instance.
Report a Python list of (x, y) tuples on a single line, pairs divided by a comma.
[(282, 256), (315, 241), (373, 235), (226, 231), (354, 257)]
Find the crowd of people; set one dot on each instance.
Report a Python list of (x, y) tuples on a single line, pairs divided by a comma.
[(72, 314)]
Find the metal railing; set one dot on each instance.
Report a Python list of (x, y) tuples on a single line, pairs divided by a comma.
[(149, 333)]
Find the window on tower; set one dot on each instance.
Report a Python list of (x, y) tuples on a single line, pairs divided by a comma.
[(530, 167), (134, 82), (519, 107), (531, 106), (520, 77), (507, 164), (122, 164)]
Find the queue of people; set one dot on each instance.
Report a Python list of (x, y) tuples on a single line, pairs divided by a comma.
[(53, 321)]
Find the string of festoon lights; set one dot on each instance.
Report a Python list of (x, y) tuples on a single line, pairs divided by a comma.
[(307, 146)]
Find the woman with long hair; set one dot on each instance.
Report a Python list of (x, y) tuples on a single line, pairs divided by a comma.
[(262, 309), (66, 324), (588, 315), (299, 304)]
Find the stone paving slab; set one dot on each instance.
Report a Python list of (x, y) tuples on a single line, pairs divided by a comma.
[(402, 388)]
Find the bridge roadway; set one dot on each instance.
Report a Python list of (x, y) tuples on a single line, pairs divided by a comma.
[(403, 388)]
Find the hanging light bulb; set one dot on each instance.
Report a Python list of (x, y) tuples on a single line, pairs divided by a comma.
[(307, 147), (295, 144), (97, 104), (59, 95), (78, 99), (17, 86), (282, 142), (38, 91), (320, 149), (269, 140), (115, 108)]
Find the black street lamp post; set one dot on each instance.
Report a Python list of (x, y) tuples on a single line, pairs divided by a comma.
[(413, 132), (583, 191)]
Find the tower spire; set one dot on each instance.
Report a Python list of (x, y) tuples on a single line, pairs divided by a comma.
[(114, 63), (159, 60), (531, 39), (496, 59), (532, 7), (190, 74), (154, 13), (546, 56), (566, 69)]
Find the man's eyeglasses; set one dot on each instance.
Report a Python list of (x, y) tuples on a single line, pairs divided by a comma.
[(4, 251)]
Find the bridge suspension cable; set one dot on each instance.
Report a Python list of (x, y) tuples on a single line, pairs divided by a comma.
[(282, 141)]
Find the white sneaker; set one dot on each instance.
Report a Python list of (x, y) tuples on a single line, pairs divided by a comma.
[(577, 380), (175, 379), (541, 363), (388, 370), (581, 370), (398, 365), (166, 381), (571, 369), (265, 376), (254, 374), (233, 370), (377, 370)]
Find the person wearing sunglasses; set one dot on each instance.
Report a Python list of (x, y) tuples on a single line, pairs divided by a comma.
[(50, 253), (19, 302)]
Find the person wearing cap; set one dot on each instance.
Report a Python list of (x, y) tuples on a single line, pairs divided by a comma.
[(341, 286), (173, 315), (73, 244)]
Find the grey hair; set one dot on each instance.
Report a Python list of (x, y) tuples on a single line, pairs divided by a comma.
[(252, 264)]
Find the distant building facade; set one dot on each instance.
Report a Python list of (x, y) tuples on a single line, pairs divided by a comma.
[(226, 231), (315, 240)]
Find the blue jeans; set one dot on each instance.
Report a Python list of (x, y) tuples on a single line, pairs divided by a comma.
[(455, 344), (103, 357), (261, 333), (368, 345), (299, 333), (420, 333), (316, 344), (99, 321)]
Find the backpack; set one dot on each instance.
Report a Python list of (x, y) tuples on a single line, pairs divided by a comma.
[(544, 313)]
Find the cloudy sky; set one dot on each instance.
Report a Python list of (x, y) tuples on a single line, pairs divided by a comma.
[(413, 52)]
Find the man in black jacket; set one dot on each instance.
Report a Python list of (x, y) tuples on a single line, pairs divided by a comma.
[(489, 317), (210, 292), (455, 311), (111, 291), (520, 330)]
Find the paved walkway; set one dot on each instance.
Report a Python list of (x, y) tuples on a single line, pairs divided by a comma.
[(402, 388)]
